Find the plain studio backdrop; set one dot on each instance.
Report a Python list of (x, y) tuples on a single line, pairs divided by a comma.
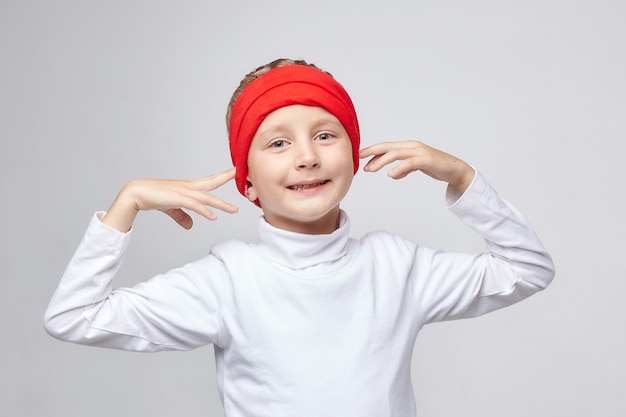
[(532, 93)]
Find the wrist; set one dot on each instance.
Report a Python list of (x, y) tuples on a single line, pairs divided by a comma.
[(122, 212), (464, 179)]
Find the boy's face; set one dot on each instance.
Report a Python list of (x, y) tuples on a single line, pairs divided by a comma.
[(300, 166)]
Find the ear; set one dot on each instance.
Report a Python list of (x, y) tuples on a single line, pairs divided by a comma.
[(251, 193)]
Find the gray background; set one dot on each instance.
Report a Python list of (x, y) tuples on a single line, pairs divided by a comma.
[(95, 93)]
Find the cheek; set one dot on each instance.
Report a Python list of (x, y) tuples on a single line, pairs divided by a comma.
[(254, 171), (262, 176), (343, 161)]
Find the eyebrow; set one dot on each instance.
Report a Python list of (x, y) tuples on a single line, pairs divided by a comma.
[(325, 121), (283, 127), (274, 130)]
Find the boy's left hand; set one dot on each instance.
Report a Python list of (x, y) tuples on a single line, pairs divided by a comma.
[(416, 156)]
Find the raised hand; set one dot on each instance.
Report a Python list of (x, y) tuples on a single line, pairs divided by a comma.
[(172, 197), (416, 156)]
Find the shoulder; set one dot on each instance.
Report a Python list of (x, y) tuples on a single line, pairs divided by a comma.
[(221, 257), (385, 244), (231, 248)]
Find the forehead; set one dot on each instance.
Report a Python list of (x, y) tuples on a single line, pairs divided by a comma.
[(297, 115)]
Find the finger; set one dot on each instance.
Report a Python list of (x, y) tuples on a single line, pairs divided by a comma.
[(202, 204), (384, 147), (377, 148), (180, 217), (217, 180), (211, 200), (203, 185), (404, 168), (373, 150), (366, 152), (372, 165), (391, 156), (387, 152)]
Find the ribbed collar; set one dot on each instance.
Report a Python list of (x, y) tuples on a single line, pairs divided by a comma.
[(299, 251)]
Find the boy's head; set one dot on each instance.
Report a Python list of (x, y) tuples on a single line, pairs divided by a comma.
[(282, 83)]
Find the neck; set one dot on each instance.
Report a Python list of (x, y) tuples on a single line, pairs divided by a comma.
[(305, 252), (322, 226)]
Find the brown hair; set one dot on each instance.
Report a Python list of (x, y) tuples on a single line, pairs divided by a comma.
[(281, 62)]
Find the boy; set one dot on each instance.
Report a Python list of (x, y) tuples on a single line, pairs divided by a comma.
[(308, 321)]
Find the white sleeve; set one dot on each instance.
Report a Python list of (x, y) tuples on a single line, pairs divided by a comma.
[(515, 266), (179, 310)]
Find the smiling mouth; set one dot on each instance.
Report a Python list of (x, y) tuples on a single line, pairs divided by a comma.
[(299, 187)]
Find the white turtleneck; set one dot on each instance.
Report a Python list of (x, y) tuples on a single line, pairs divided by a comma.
[(304, 325)]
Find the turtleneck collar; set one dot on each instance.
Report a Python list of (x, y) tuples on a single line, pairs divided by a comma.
[(298, 250)]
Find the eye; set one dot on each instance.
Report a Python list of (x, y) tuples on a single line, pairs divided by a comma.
[(324, 136), (279, 143)]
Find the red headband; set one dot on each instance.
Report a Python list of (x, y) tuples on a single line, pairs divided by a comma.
[(280, 87)]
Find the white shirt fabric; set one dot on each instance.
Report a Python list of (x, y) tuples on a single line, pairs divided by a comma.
[(304, 325)]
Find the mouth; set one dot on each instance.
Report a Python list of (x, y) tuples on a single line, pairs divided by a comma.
[(308, 185)]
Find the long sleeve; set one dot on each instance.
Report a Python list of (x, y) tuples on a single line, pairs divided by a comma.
[(178, 310), (515, 265)]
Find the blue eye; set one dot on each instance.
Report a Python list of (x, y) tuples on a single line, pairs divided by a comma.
[(278, 143)]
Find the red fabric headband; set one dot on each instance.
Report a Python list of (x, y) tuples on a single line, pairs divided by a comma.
[(280, 87)]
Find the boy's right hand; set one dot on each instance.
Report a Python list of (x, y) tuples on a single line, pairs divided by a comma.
[(170, 197)]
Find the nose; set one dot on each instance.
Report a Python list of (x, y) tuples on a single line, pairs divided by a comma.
[(307, 156)]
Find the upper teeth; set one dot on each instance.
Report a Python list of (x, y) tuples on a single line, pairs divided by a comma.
[(302, 186)]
